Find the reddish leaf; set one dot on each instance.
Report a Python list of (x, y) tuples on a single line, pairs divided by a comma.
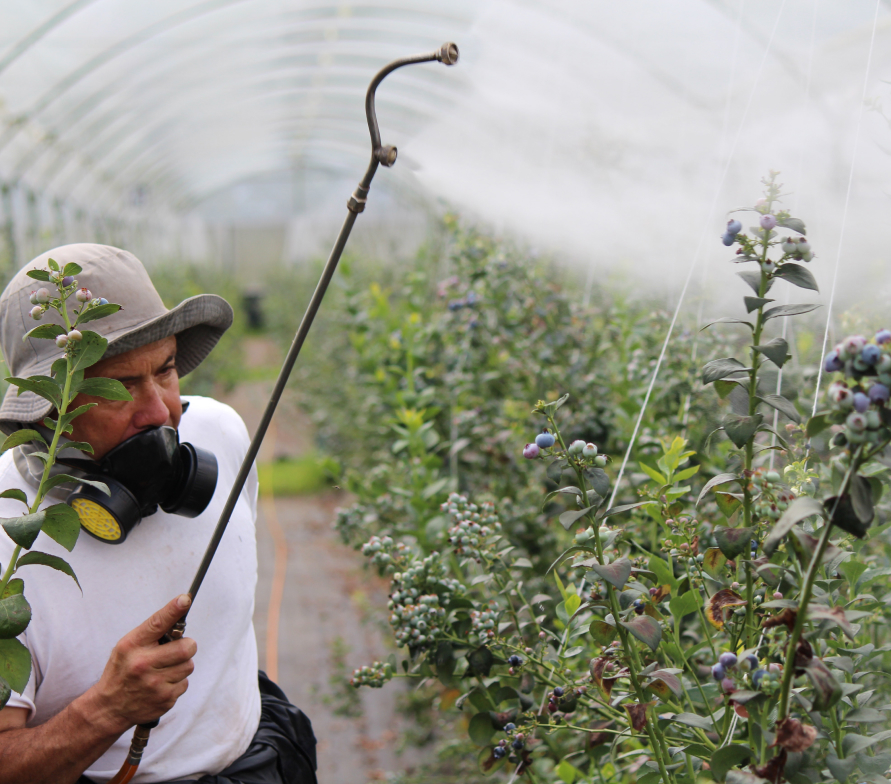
[(713, 562), (637, 714), (665, 683), (721, 601), (772, 771), (616, 573), (820, 612), (646, 629), (599, 738), (794, 736), (787, 617)]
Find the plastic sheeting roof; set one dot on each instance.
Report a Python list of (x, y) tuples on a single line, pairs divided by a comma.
[(563, 120)]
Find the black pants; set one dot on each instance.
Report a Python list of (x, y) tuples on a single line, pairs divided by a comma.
[(283, 750)]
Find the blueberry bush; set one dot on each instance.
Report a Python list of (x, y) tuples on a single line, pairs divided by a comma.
[(720, 615), (79, 349)]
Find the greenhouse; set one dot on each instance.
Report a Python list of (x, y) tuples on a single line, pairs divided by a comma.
[(445, 392)]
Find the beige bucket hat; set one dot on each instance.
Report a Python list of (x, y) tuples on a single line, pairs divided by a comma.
[(198, 322)]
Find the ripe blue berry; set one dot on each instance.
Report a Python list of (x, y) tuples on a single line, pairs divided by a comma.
[(531, 451), (718, 671), (103, 301), (879, 393), (545, 440), (727, 659), (833, 362), (67, 280), (514, 661), (638, 606), (498, 752), (558, 691), (883, 336), (768, 222), (757, 677), (870, 354), (517, 744), (749, 662), (861, 402), (734, 226), (728, 239), (510, 726)]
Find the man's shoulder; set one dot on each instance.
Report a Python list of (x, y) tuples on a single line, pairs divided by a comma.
[(209, 419)]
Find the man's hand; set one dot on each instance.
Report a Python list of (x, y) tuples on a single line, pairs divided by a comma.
[(142, 679), (141, 682)]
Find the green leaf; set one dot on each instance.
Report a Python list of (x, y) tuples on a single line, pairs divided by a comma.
[(841, 769), (480, 729), (616, 573), (722, 368), (480, 661), (48, 390), (684, 604), (83, 446), (61, 479), (845, 515), (45, 332), (21, 437), (5, 693), (692, 720), (568, 518), (853, 743), (599, 481), (727, 757), (740, 429), (572, 603), (796, 224), (797, 276), (753, 303), (45, 559), (663, 572), (733, 541), (53, 265), (727, 504), (109, 388), (73, 414), (568, 772), (653, 474), (685, 474), (744, 777), (62, 525), (15, 664), (614, 510), (861, 499), (827, 692), (71, 269), (776, 350), (852, 570), (97, 312), (720, 479), (646, 629), (15, 615), (89, 350), (724, 387), (16, 495), (729, 320), (788, 310), (38, 275), (817, 424), (753, 278), (23, 530), (782, 405), (713, 562), (800, 509), (14, 586)]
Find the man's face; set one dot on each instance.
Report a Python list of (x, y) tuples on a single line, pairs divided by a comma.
[(150, 376)]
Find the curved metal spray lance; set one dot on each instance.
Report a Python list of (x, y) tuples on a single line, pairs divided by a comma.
[(380, 155)]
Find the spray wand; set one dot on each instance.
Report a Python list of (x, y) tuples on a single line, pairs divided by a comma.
[(380, 155)]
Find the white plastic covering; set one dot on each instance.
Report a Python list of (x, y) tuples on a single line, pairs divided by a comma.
[(617, 133)]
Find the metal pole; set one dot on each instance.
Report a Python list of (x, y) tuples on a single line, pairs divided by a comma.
[(386, 155)]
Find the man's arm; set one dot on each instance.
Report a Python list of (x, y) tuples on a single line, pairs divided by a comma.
[(141, 682)]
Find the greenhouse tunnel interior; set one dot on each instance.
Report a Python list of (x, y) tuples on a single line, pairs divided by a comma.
[(607, 141)]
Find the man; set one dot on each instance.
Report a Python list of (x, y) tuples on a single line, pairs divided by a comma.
[(96, 673)]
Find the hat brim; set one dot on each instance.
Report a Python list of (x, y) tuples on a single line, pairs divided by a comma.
[(197, 322)]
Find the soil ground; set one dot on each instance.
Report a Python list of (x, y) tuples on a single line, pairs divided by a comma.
[(330, 616)]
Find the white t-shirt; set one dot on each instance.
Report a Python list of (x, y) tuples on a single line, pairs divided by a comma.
[(71, 636)]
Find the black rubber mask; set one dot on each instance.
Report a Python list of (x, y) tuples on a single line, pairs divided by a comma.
[(150, 470)]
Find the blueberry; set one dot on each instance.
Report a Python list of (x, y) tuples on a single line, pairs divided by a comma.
[(514, 661), (718, 671), (861, 402), (757, 677), (510, 726), (870, 354), (833, 362), (728, 686), (734, 226), (517, 744), (545, 440), (728, 660), (883, 336), (470, 299), (728, 239), (558, 691), (67, 280), (879, 393), (531, 451), (768, 222), (103, 301), (638, 606), (84, 295), (750, 662), (498, 752)]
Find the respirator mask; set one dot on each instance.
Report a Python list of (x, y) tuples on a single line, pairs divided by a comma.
[(149, 470)]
